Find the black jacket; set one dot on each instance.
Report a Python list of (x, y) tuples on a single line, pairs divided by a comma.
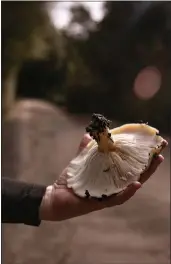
[(21, 202)]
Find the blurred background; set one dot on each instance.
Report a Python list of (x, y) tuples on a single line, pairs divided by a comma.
[(61, 61)]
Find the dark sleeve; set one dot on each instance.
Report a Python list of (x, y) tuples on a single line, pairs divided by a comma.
[(21, 202)]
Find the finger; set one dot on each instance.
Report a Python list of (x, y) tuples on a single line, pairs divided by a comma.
[(157, 160), (163, 145), (123, 196), (84, 142)]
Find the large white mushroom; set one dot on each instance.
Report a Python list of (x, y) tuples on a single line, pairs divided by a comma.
[(113, 159)]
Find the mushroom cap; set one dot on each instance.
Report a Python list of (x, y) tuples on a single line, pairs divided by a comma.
[(97, 174)]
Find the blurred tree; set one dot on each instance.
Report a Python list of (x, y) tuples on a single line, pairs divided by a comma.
[(102, 51), (81, 21), (27, 32), (80, 82), (100, 60), (152, 48), (132, 35)]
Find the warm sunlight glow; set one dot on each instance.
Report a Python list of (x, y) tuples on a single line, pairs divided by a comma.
[(60, 13)]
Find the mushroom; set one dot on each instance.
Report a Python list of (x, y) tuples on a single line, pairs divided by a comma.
[(113, 159)]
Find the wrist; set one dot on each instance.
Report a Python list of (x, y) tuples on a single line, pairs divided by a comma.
[(45, 206)]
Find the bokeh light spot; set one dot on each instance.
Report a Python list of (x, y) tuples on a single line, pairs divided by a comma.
[(147, 83)]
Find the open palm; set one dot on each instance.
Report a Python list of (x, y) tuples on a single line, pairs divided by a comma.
[(64, 204)]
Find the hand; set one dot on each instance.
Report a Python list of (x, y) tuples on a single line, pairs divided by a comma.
[(60, 203)]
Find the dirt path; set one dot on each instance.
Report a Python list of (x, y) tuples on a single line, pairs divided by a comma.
[(137, 232)]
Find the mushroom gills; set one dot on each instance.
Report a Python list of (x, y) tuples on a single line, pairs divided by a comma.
[(97, 174)]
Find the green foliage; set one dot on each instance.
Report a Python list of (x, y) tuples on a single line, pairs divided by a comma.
[(93, 65), (27, 32), (132, 35)]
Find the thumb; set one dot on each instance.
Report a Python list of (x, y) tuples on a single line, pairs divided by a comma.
[(84, 142)]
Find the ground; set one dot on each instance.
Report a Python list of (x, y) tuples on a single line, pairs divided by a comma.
[(37, 143)]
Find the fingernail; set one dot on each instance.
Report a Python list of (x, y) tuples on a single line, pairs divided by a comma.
[(161, 158), (138, 184)]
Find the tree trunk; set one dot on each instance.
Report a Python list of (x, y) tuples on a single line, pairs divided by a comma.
[(9, 91)]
